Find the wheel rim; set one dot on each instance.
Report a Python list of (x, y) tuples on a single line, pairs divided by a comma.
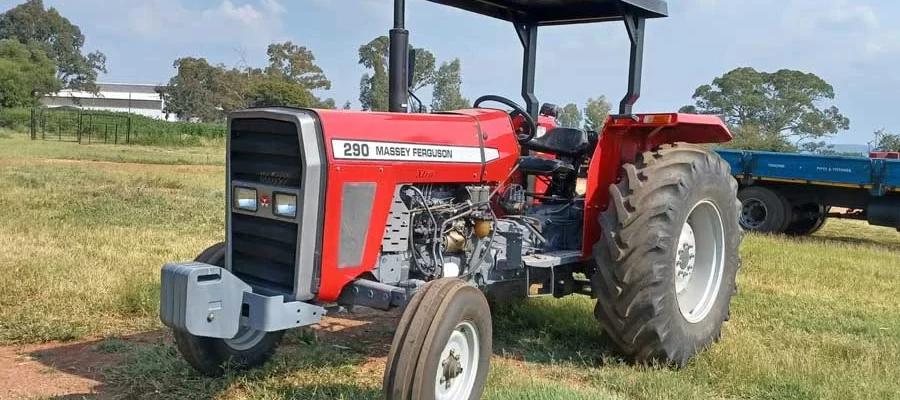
[(245, 339), (753, 213), (455, 375), (699, 261)]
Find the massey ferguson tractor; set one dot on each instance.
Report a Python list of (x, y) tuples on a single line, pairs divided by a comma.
[(435, 213)]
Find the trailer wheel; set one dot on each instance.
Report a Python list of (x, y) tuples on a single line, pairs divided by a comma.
[(249, 348), (764, 210), (811, 218), (668, 258), (442, 348)]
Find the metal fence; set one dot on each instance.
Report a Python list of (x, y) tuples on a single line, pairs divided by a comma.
[(79, 126)]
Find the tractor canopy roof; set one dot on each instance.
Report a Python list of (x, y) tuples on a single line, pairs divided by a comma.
[(560, 12)]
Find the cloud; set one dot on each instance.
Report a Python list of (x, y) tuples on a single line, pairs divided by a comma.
[(249, 24)]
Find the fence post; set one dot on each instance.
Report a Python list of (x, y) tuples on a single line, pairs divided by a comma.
[(128, 131), (33, 126)]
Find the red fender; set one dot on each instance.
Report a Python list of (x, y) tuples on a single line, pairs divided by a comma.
[(623, 139)]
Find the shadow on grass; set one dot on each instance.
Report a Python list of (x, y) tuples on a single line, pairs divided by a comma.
[(853, 240), (551, 331), (339, 358)]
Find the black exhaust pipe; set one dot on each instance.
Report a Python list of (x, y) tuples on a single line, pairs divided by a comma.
[(397, 61)]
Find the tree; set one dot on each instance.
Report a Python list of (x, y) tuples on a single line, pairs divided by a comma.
[(296, 64), (373, 87), (596, 111), (781, 106), (570, 116), (346, 106), (190, 93), (61, 40), (25, 73), (885, 141), (448, 88), (206, 92)]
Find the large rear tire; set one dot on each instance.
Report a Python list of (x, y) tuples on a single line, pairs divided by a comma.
[(442, 347), (668, 258), (249, 348)]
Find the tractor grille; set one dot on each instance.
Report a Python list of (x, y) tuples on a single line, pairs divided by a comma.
[(264, 250), (265, 151)]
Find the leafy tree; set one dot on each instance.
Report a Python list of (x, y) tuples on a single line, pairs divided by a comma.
[(296, 64), (25, 74), (61, 40), (570, 116), (885, 141), (782, 107), (373, 87), (190, 93), (448, 88), (208, 92), (596, 111), (346, 105)]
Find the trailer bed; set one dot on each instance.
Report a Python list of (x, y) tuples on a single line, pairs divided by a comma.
[(879, 175)]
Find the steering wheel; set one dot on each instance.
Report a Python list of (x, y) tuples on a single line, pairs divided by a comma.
[(527, 131)]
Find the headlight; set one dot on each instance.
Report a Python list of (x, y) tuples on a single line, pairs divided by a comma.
[(285, 205), (244, 198)]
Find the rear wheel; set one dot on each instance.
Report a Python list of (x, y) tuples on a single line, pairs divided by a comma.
[(668, 258), (764, 210), (249, 348), (810, 218), (442, 346)]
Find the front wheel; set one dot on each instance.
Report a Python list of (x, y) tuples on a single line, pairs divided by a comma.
[(442, 346), (667, 262), (249, 348)]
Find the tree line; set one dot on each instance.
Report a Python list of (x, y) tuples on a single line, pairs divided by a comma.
[(42, 52)]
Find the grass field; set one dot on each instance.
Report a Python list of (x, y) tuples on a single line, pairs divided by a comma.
[(85, 229)]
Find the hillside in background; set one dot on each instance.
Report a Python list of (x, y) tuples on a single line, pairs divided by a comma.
[(852, 148)]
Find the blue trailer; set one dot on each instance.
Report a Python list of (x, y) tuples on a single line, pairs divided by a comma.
[(793, 193)]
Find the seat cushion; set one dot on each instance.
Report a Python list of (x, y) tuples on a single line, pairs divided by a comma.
[(535, 165), (569, 142)]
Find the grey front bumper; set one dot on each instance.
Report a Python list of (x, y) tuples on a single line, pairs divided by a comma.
[(206, 300)]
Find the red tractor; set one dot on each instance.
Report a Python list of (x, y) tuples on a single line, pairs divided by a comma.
[(436, 213)]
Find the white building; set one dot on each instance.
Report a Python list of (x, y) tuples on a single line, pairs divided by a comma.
[(122, 97)]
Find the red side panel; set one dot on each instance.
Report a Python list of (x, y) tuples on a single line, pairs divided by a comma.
[(384, 150), (885, 154), (623, 139)]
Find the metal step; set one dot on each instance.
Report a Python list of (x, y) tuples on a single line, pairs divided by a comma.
[(552, 259)]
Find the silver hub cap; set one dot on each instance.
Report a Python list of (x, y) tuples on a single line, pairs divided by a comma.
[(699, 261), (245, 339), (458, 365)]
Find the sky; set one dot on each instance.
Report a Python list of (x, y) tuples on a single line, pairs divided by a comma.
[(853, 45)]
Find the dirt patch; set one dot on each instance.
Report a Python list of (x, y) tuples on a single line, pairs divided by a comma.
[(75, 369), (52, 369)]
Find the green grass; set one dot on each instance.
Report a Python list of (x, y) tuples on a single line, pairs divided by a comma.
[(83, 241), (17, 146)]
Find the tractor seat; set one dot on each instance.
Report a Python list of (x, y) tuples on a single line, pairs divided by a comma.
[(534, 165), (568, 142)]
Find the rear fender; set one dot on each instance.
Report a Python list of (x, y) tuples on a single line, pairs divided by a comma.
[(623, 138)]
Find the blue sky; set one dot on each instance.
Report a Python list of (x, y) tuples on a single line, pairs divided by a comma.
[(854, 45)]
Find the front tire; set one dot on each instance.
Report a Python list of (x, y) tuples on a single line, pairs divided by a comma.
[(249, 348), (443, 344), (668, 258)]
